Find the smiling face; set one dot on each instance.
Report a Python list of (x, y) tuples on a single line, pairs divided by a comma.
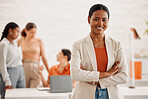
[(98, 22)]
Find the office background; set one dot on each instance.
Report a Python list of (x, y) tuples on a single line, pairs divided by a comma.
[(61, 22)]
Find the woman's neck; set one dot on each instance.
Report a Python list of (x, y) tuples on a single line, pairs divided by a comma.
[(10, 39), (97, 37), (29, 39)]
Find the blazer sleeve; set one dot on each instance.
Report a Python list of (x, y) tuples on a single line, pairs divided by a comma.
[(76, 72), (121, 76)]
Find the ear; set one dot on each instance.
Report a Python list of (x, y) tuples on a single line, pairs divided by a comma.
[(66, 58), (88, 19), (25, 30), (10, 30)]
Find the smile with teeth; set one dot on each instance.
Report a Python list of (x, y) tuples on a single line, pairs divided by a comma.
[(100, 28)]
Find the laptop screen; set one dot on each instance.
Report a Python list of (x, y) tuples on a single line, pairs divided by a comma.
[(60, 83)]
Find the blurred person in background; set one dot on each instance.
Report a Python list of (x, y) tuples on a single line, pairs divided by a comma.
[(33, 49), (63, 68), (11, 66)]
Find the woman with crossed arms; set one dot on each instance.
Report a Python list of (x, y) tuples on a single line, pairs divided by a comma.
[(98, 62)]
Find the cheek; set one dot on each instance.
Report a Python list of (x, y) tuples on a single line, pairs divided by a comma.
[(15, 34), (106, 23), (58, 56), (18, 34), (32, 35), (92, 24), (105, 26)]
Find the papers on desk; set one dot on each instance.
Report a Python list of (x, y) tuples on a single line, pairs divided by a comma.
[(43, 88)]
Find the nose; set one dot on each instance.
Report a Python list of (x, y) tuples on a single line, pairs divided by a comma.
[(100, 23)]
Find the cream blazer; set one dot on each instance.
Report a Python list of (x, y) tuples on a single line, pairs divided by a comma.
[(83, 54)]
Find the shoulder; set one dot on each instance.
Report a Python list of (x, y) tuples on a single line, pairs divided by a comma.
[(116, 44), (68, 66), (39, 40), (53, 68), (19, 41), (113, 40), (3, 47), (4, 44)]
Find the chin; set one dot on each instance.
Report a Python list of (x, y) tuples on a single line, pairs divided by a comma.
[(14, 38), (98, 33), (32, 37)]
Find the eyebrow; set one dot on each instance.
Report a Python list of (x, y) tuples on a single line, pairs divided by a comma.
[(99, 17)]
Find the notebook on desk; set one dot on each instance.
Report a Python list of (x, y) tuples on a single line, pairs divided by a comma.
[(62, 83)]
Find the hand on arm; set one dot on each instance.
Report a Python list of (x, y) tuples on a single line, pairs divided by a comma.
[(119, 77), (45, 84), (111, 72)]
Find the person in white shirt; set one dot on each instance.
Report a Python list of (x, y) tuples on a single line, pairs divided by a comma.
[(11, 67)]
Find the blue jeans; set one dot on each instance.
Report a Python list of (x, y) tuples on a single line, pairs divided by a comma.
[(101, 93)]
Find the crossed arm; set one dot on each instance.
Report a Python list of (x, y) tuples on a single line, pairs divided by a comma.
[(116, 75), (109, 73)]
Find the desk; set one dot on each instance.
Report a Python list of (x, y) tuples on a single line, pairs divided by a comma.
[(139, 92), (33, 93)]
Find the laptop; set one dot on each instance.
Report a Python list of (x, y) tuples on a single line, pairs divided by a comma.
[(60, 83)]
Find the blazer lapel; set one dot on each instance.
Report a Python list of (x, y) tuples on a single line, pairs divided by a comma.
[(109, 51), (92, 55), (91, 52)]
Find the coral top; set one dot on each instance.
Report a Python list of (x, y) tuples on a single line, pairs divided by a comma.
[(102, 59), (54, 70)]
